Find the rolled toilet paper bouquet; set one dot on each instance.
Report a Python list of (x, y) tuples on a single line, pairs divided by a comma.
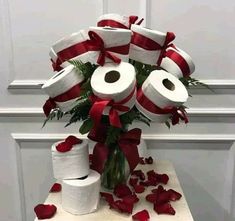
[(108, 77)]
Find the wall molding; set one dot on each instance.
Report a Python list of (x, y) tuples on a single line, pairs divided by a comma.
[(192, 112), (37, 84), (53, 137)]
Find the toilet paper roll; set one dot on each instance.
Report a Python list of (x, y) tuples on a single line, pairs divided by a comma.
[(115, 82), (161, 90), (147, 45), (177, 62), (63, 89), (114, 20), (72, 48), (71, 164), (116, 42), (81, 196)]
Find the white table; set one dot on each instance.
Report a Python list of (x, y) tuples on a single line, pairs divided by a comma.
[(104, 213)]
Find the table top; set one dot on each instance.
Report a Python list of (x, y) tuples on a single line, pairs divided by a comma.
[(104, 213)]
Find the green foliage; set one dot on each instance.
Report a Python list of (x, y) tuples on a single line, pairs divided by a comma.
[(56, 113), (86, 126), (168, 124), (86, 69), (113, 135), (188, 81)]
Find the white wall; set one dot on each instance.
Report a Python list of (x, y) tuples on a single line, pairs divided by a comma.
[(202, 152)]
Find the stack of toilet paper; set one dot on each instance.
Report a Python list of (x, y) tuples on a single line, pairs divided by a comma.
[(80, 185)]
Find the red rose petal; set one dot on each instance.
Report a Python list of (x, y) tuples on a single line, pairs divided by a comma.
[(131, 199), (149, 160), (163, 198), (163, 178), (122, 190), (141, 216), (45, 211), (152, 197), (108, 197), (139, 173), (146, 183), (165, 208), (55, 188), (174, 195), (73, 140), (139, 188), (63, 147), (158, 190), (142, 161), (133, 181), (122, 206)]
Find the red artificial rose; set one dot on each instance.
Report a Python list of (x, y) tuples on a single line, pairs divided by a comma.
[(45, 211), (55, 188), (165, 208), (122, 190), (141, 216)]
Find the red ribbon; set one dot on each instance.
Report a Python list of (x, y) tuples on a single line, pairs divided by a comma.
[(128, 144), (148, 44), (99, 105), (179, 60), (170, 36), (56, 66), (116, 24), (72, 93), (177, 113)]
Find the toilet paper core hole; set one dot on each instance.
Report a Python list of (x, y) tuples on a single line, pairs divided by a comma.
[(112, 76), (168, 84), (58, 74), (109, 28)]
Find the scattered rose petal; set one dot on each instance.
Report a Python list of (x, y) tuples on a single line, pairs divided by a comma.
[(158, 190), (142, 161), (139, 173), (163, 198), (174, 195), (55, 188), (141, 216), (122, 207), (131, 199), (146, 183), (149, 160), (133, 181), (108, 197), (63, 147), (165, 208), (45, 211), (122, 190), (73, 140), (139, 188), (163, 178), (152, 197)]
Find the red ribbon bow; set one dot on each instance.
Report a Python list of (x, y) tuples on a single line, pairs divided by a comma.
[(116, 24), (99, 105), (128, 144), (176, 113), (56, 66), (72, 93), (96, 43)]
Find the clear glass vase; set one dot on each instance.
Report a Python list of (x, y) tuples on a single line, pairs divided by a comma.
[(116, 168)]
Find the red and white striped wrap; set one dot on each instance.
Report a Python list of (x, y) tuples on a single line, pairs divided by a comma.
[(161, 96), (117, 21), (148, 46), (63, 89), (177, 62)]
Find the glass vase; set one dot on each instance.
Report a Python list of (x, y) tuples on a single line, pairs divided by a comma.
[(116, 168)]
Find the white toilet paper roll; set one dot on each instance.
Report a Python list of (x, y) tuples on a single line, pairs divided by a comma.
[(113, 20), (115, 82), (163, 90), (113, 37), (149, 53), (178, 62), (71, 48), (81, 196), (71, 164), (59, 87)]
